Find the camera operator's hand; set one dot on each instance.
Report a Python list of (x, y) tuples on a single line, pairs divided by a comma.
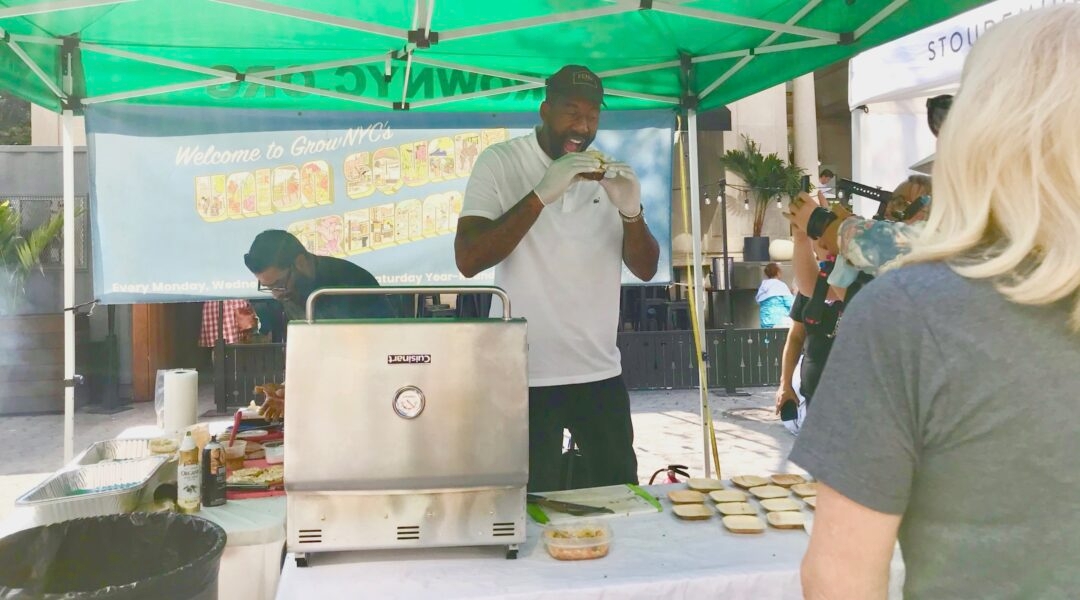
[(841, 212), (784, 395), (799, 210)]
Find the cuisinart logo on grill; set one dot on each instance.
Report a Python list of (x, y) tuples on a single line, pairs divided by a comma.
[(408, 359)]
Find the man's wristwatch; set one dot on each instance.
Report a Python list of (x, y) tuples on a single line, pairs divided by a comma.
[(634, 219)]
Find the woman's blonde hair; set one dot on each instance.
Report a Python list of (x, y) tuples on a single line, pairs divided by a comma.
[(1007, 173)]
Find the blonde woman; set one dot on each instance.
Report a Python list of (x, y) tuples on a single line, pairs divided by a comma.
[(947, 414)]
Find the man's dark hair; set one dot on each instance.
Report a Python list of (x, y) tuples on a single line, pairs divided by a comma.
[(828, 173), (936, 109), (273, 248)]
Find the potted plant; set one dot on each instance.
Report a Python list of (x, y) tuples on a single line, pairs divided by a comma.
[(768, 178), (20, 256), (31, 361)]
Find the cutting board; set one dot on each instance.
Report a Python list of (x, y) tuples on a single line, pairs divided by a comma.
[(623, 500)]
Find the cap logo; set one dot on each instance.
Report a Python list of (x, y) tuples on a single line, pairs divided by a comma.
[(584, 78)]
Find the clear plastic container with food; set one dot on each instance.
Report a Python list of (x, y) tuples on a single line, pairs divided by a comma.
[(578, 541)]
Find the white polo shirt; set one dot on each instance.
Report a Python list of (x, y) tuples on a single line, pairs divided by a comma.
[(565, 275)]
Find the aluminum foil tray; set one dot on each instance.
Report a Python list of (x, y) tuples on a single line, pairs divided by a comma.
[(93, 490), (114, 450)]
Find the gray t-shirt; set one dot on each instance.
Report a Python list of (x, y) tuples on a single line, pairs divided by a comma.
[(944, 402)]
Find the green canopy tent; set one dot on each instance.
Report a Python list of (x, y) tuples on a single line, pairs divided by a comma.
[(451, 55)]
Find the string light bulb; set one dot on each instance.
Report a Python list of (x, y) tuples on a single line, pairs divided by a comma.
[(706, 193)]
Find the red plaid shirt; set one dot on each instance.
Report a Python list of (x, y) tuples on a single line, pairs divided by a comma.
[(231, 331)]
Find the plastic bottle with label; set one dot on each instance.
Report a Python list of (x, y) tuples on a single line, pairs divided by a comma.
[(188, 477), (213, 474)]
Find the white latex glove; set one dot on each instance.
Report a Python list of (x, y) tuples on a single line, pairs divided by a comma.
[(623, 188), (561, 174)]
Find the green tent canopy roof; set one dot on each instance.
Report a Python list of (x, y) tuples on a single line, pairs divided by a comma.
[(446, 55)]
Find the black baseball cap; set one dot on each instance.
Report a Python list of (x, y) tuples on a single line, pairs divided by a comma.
[(576, 81)]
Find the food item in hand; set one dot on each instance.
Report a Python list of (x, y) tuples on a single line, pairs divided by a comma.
[(748, 481), (686, 497), (805, 489), (780, 504), (604, 160), (787, 479), (702, 484), (735, 508), (786, 520), (692, 512), (769, 491), (721, 496), (811, 501), (744, 524), (577, 541)]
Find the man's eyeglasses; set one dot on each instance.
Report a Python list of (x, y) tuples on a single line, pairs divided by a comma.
[(281, 285)]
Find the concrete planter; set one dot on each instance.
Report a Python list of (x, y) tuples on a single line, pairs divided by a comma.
[(756, 249)]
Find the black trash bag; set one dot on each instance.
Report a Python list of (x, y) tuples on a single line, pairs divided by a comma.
[(120, 557)]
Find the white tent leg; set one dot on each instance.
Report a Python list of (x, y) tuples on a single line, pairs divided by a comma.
[(69, 284), (696, 280)]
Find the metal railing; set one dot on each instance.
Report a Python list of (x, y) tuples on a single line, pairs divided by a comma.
[(651, 360)]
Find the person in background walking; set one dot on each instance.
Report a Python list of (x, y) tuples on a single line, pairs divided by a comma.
[(774, 299)]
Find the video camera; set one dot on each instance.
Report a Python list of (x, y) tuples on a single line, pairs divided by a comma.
[(846, 188)]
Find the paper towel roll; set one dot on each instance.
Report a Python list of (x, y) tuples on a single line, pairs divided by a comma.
[(181, 400)]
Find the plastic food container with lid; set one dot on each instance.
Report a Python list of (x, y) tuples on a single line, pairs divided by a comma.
[(579, 540), (275, 452)]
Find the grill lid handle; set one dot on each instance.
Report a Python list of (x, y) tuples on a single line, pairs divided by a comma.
[(377, 291)]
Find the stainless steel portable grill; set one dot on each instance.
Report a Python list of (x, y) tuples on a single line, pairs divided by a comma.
[(406, 433)]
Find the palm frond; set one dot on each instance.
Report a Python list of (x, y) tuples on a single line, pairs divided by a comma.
[(20, 256), (768, 177)]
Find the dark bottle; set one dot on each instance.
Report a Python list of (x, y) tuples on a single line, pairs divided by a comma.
[(213, 474)]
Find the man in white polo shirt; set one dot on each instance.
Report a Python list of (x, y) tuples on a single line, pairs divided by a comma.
[(557, 226)]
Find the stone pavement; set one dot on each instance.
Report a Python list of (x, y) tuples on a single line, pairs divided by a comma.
[(751, 439)]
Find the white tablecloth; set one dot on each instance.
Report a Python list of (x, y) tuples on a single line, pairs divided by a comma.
[(653, 556), (250, 565)]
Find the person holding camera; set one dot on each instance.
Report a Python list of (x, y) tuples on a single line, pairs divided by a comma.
[(865, 244), (813, 326), (946, 416)]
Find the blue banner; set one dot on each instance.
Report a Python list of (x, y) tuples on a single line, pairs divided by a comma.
[(177, 194)]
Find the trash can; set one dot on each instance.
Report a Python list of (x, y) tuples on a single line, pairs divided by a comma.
[(120, 557)]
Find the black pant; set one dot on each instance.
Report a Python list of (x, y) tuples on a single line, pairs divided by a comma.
[(598, 417)]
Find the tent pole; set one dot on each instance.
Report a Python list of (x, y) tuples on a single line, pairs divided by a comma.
[(802, 12), (69, 283), (43, 8), (695, 274)]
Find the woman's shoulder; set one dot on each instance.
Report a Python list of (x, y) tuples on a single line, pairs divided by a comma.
[(926, 279), (917, 291)]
